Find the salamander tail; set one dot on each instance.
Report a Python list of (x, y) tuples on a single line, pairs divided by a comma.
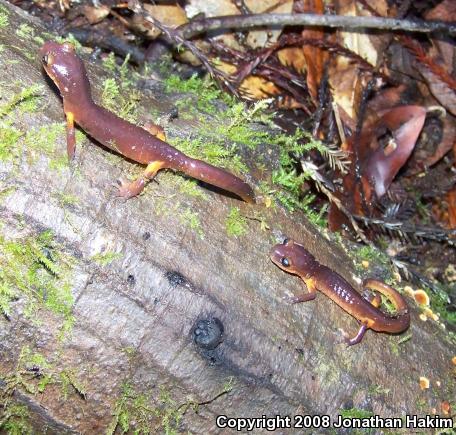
[(401, 320), (218, 177)]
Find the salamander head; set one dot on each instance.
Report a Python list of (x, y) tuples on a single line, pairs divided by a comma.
[(66, 69), (293, 258)]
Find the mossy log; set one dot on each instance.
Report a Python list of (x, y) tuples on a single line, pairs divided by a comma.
[(169, 310)]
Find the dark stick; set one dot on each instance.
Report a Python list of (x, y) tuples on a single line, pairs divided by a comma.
[(313, 20), (176, 38), (108, 42)]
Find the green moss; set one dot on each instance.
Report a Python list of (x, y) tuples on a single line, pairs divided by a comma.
[(35, 269), (372, 255), (105, 258), (355, 413), (25, 31), (113, 99), (9, 137), (119, 94), (39, 40), (131, 411), (236, 224), (33, 373), (135, 413), (67, 199), (15, 419), (109, 62), (378, 390), (17, 142), (204, 91), (191, 220), (239, 130), (62, 39), (439, 303), (70, 382), (190, 187), (111, 92), (212, 153), (27, 99), (3, 20)]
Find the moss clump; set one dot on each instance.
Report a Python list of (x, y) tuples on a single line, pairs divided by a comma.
[(25, 31), (134, 412), (15, 419), (27, 100), (192, 220), (439, 303), (119, 94), (17, 141), (33, 373), (4, 21), (372, 255), (236, 224), (211, 152), (105, 258), (190, 188), (204, 91), (34, 269)]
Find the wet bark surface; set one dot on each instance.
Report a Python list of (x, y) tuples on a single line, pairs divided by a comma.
[(135, 318)]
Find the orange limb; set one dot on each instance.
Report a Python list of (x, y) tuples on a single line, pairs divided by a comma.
[(304, 297), (129, 189), (155, 130), (71, 137)]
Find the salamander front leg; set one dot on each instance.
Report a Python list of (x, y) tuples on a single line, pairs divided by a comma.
[(155, 130), (304, 297), (128, 189), (375, 300), (71, 137)]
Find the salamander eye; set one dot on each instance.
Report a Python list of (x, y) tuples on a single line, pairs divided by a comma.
[(285, 262), (286, 240), (45, 59)]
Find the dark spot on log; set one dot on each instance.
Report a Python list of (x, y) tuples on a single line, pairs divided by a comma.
[(212, 356), (348, 404), (173, 113), (175, 278), (146, 235), (131, 279), (208, 333)]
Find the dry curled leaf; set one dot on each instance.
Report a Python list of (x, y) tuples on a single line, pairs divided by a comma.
[(96, 14)]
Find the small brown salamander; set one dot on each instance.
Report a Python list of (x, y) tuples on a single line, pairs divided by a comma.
[(67, 71), (294, 258)]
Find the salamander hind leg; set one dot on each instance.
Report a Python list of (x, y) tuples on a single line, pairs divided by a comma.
[(129, 189)]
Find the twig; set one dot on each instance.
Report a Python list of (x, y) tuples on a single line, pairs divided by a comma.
[(197, 27), (109, 42), (175, 37)]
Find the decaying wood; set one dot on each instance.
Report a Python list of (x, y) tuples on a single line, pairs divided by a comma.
[(282, 359)]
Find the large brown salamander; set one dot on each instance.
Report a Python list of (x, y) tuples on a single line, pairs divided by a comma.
[(67, 71)]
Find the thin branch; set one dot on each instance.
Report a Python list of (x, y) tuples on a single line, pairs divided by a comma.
[(229, 22), (176, 38)]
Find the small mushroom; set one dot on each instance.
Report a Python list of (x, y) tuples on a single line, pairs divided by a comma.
[(408, 290), (421, 297), (424, 383), (446, 407)]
